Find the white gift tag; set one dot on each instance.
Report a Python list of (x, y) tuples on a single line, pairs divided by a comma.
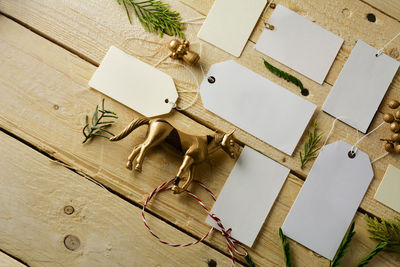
[(230, 22), (329, 198), (299, 44), (360, 87), (256, 105), (248, 195), (388, 192), (134, 83)]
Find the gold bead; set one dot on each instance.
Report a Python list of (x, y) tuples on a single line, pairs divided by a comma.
[(395, 126), (396, 137), (393, 104), (397, 148), (173, 45), (181, 50), (389, 147), (388, 117), (397, 115)]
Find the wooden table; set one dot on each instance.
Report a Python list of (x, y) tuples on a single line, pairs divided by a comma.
[(48, 52)]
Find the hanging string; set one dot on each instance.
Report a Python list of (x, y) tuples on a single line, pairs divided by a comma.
[(380, 51), (266, 24), (354, 148), (162, 60), (174, 105), (194, 20), (233, 245)]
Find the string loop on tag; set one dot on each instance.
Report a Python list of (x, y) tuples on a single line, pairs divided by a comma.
[(266, 24), (174, 105), (232, 244), (380, 51), (194, 20), (354, 149)]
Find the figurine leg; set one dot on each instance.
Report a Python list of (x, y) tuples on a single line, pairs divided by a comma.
[(150, 142), (185, 166), (190, 178), (132, 156)]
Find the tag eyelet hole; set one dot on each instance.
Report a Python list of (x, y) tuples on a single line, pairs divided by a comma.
[(305, 92), (166, 100), (351, 154), (211, 79)]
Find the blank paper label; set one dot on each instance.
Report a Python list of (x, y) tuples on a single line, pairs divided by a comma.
[(360, 87), (248, 195), (299, 44), (389, 190), (134, 83), (256, 105), (230, 22), (329, 198)]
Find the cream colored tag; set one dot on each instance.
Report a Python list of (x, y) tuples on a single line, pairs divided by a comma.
[(134, 83), (230, 22), (389, 190)]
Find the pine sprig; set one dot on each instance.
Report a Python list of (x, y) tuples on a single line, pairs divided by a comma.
[(367, 258), (343, 247), (97, 126), (249, 261), (155, 17), (286, 76), (310, 146), (286, 248), (385, 231)]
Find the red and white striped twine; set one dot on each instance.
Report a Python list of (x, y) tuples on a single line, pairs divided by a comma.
[(232, 243)]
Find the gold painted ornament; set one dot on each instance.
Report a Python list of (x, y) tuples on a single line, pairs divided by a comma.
[(392, 145), (195, 149), (180, 50)]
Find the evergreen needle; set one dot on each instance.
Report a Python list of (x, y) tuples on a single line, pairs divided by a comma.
[(249, 261), (286, 76), (97, 127), (343, 247), (155, 17), (387, 233), (367, 258), (310, 146), (286, 248)]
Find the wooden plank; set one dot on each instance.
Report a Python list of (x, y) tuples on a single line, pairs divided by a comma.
[(389, 7), (95, 38), (34, 192), (46, 99), (55, 95), (6, 260)]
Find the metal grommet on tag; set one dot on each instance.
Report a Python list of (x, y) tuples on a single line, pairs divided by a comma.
[(269, 26), (305, 92), (211, 79), (351, 154)]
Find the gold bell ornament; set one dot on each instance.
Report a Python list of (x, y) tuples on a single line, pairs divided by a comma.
[(393, 144), (180, 50)]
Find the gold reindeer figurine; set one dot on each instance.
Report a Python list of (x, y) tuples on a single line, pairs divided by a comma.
[(196, 149)]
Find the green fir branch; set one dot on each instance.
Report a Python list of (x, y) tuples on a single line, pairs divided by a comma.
[(367, 258), (286, 76), (155, 17), (343, 247), (385, 231), (249, 261), (310, 146), (286, 248), (98, 127)]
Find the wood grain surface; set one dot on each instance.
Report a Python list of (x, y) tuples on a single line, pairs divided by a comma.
[(50, 49)]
